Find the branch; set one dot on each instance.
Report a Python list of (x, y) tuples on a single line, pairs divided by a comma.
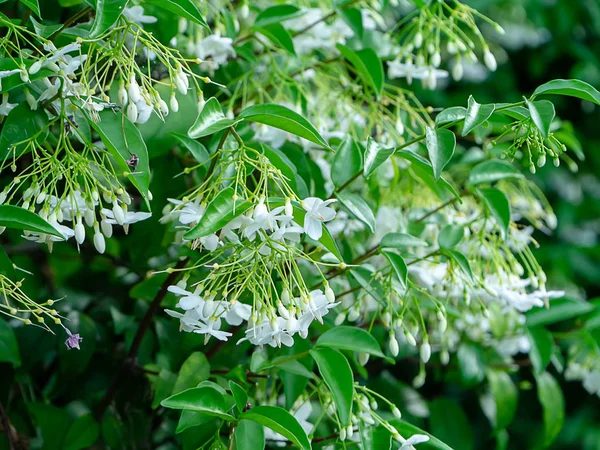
[(128, 363), (8, 429)]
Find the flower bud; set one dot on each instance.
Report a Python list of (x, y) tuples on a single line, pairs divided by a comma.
[(289, 209), (343, 434), (436, 59), (444, 357), (163, 108), (201, 102), (134, 90), (106, 228), (425, 351), (354, 314), (349, 431), (457, 71), (541, 162), (394, 347), (410, 338), (489, 60), (35, 67), (99, 242), (122, 94), (329, 295), (451, 47), (283, 311), (79, 231), (132, 112), (363, 358), (173, 103), (285, 296), (339, 319), (118, 213), (396, 412), (418, 40)]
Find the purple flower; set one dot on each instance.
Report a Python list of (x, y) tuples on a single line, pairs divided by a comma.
[(73, 340)]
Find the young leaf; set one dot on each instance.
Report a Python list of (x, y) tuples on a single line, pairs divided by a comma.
[(375, 156), (194, 370), (492, 171), (222, 210), (350, 338), (279, 36), (347, 161), (9, 349), (440, 146), (399, 267), (401, 241), (280, 421), (23, 219), (499, 206), (239, 395), (337, 374), (249, 435), (107, 14), (476, 115), (197, 150), (182, 8), (285, 119), (189, 419), (450, 236), (277, 14), (553, 407), (33, 5), (358, 207), (210, 120), (572, 88), (205, 400), (542, 113), (452, 114), (506, 397), (367, 64)]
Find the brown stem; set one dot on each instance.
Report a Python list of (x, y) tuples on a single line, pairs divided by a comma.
[(129, 361)]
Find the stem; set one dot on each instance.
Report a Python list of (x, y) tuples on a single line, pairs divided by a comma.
[(8, 429), (70, 21)]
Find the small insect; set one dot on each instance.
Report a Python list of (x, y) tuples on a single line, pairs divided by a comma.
[(133, 161), (112, 106)]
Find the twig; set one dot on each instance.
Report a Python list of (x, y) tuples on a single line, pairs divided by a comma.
[(70, 21), (137, 340), (7, 428)]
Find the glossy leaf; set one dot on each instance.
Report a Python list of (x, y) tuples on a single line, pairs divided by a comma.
[(222, 210), (571, 88), (375, 156), (22, 124), (191, 419), (277, 14), (182, 8), (561, 309), (401, 241), (358, 207), (194, 370), (374, 437), (553, 406), (107, 14), (337, 374), (13, 81), (9, 349), (197, 150), (210, 120), (239, 395), (33, 5), (506, 397), (450, 236), (205, 400), (498, 204), (476, 115), (542, 113), (347, 161), (23, 219), (398, 266), (542, 346), (440, 146), (280, 421), (350, 338), (492, 171), (279, 36), (280, 160), (285, 119), (462, 262), (353, 18), (453, 114), (249, 435), (449, 423), (84, 432), (367, 64)]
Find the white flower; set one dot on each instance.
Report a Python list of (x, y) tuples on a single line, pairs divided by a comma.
[(6, 107), (212, 329), (136, 14), (214, 50), (317, 212), (127, 218), (237, 313), (415, 439), (188, 299), (187, 212)]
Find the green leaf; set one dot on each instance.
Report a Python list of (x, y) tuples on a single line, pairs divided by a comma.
[(280, 160), (7, 267), (33, 5), (449, 115), (277, 14), (13, 81), (219, 212), (285, 119), (22, 124), (107, 14), (194, 370), (239, 395), (506, 398), (197, 150), (572, 88), (498, 204), (350, 338), (123, 139), (461, 260), (553, 406), (492, 171), (347, 162), (45, 30), (249, 435), (375, 156), (191, 419), (367, 64), (440, 146), (358, 207), (353, 18), (163, 386), (450, 236), (542, 346), (401, 241), (470, 363), (560, 309), (279, 36), (399, 267), (205, 400), (210, 120), (476, 115), (449, 423), (280, 421), (374, 438), (337, 374), (182, 8), (542, 113), (408, 429), (84, 432), (9, 349), (23, 219)]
